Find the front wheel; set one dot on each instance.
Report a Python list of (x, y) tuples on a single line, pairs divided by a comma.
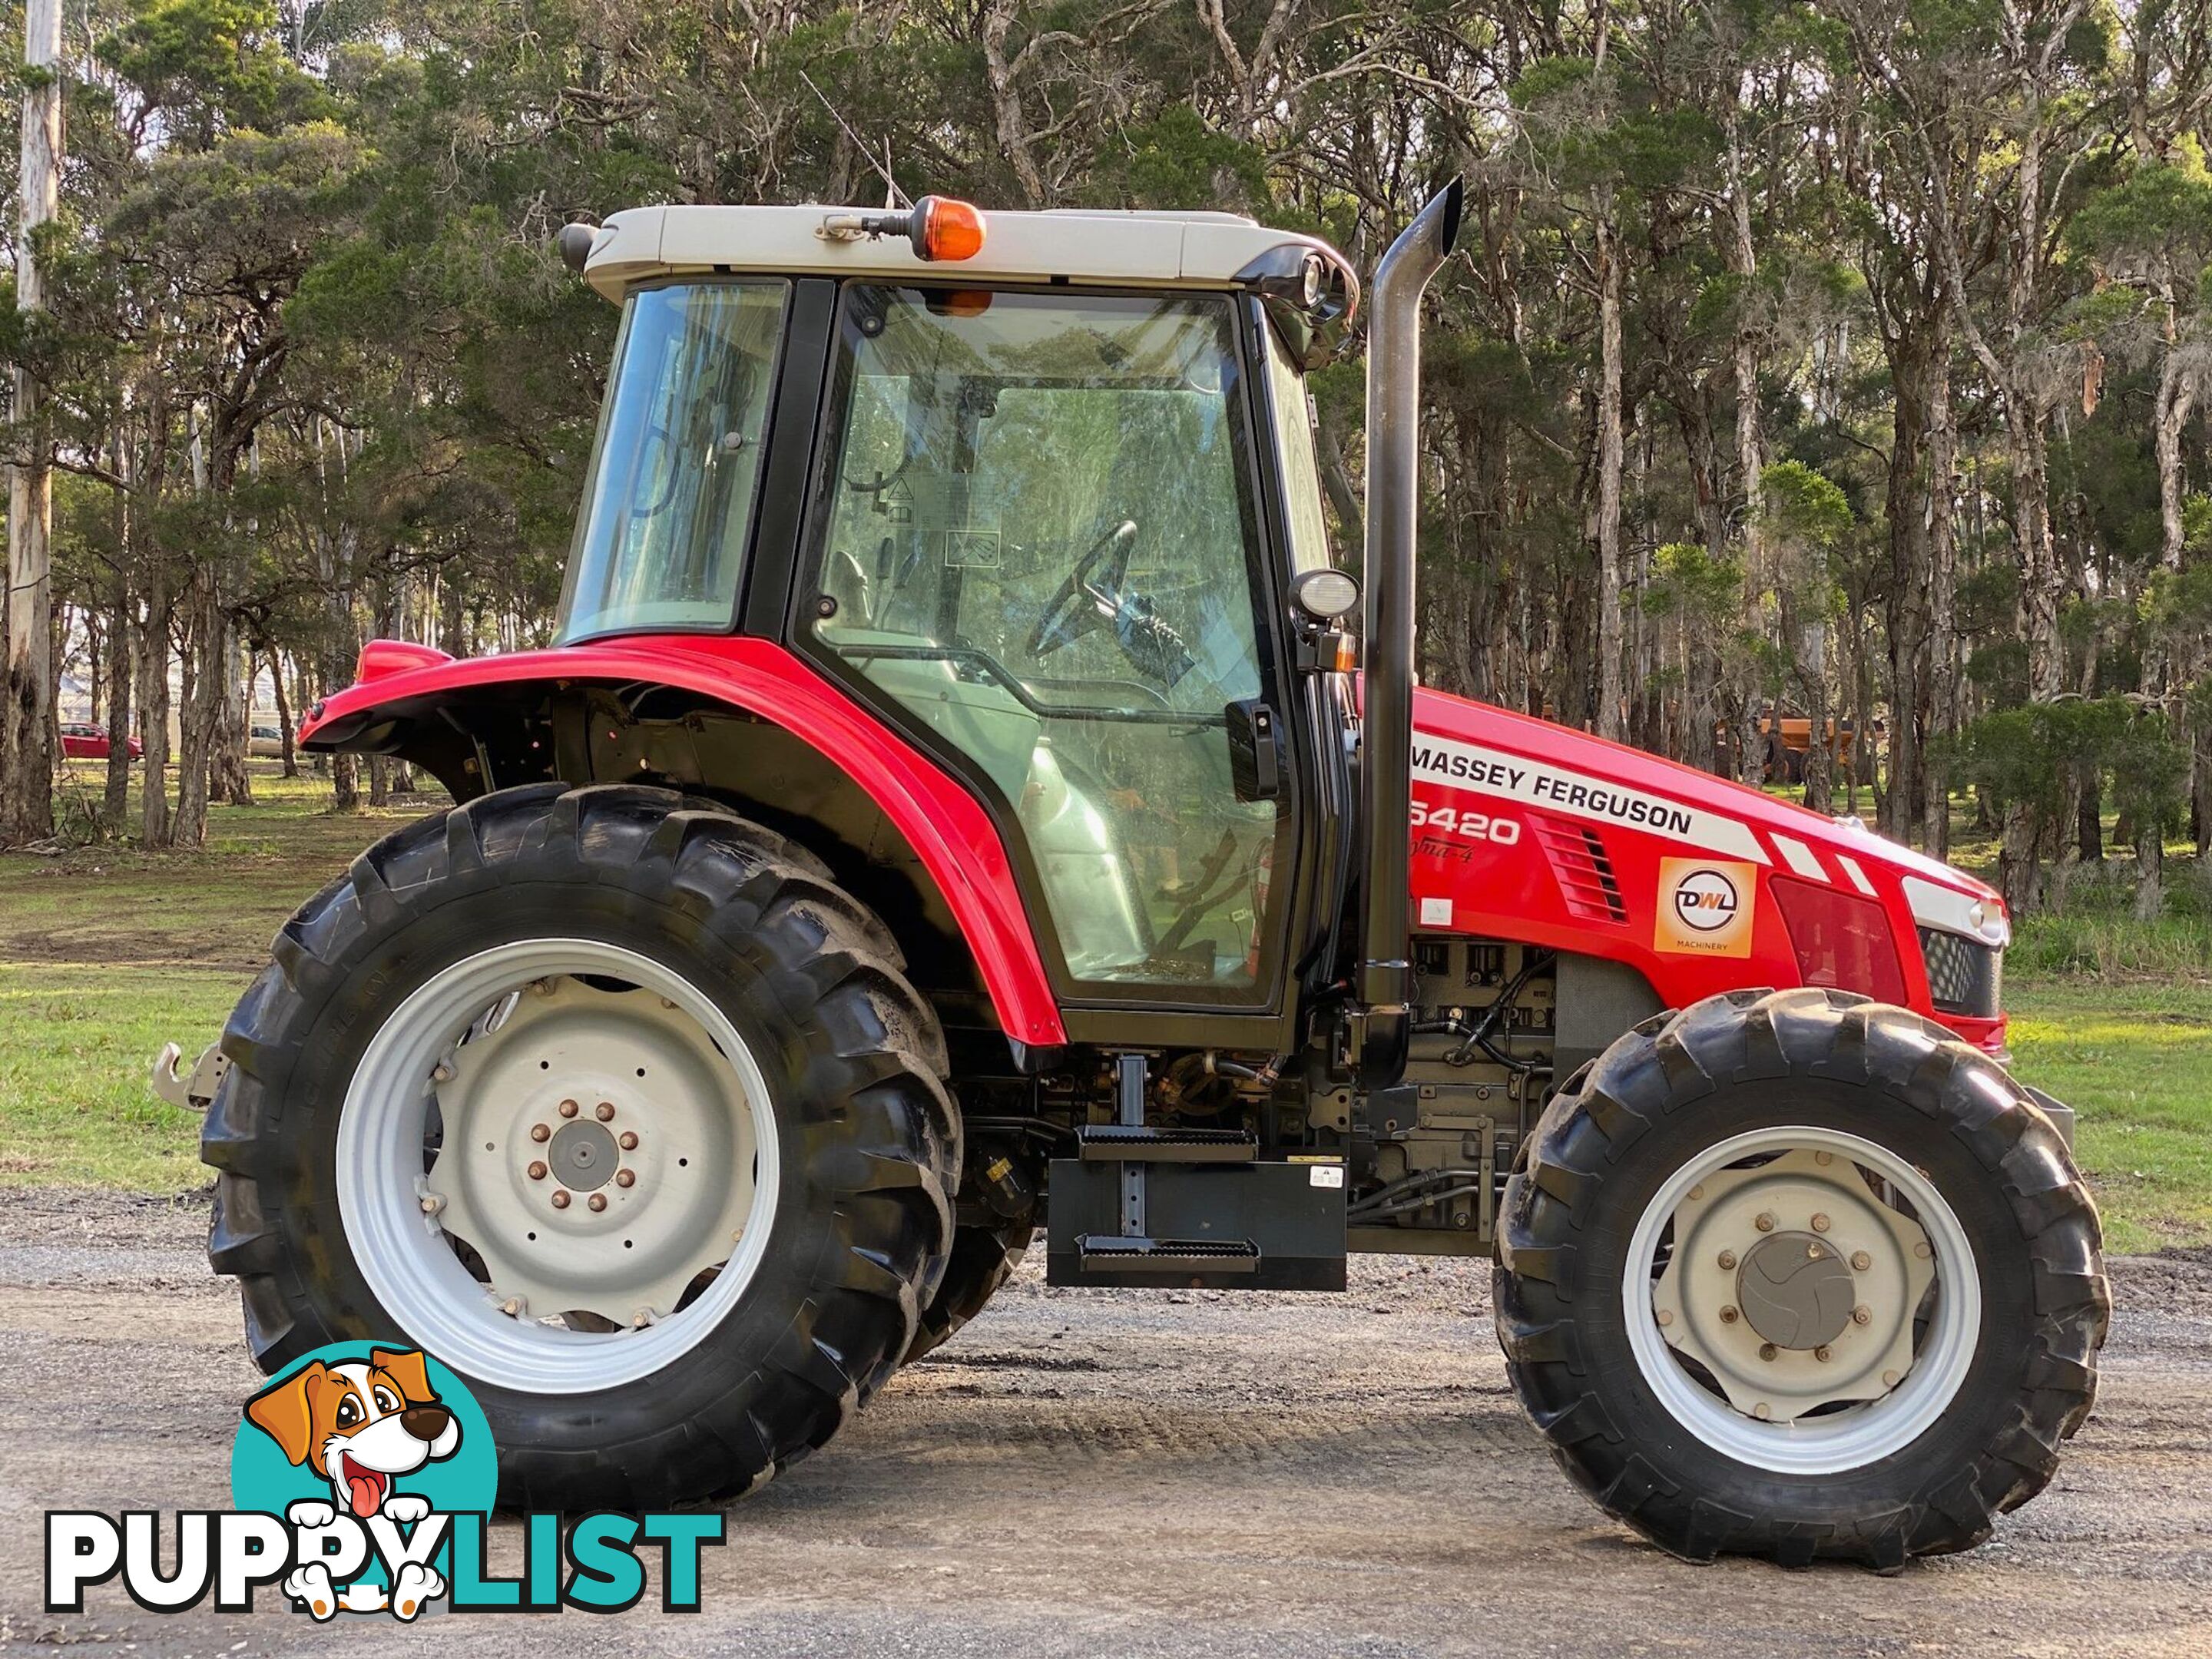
[(615, 1105), (1795, 1274)]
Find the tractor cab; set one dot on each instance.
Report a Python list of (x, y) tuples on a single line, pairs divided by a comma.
[(954, 806)]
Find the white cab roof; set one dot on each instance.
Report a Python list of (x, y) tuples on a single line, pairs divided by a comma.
[(1168, 250)]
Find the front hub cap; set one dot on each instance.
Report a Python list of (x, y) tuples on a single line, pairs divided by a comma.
[(1802, 1299)]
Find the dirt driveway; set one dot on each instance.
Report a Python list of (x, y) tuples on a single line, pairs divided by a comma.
[(1135, 1473)]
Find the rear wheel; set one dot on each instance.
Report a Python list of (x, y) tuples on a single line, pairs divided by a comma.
[(1795, 1274), (614, 1105)]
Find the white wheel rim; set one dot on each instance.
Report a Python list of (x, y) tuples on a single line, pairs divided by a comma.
[(1856, 1435), (406, 1254)]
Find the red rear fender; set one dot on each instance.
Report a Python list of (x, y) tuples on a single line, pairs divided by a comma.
[(413, 687)]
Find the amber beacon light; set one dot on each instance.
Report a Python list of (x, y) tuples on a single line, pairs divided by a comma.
[(938, 227)]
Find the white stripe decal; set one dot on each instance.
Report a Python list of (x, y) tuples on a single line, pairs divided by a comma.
[(1859, 876), (1512, 777), (1799, 857)]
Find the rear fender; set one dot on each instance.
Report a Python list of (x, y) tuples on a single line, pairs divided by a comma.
[(489, 722)]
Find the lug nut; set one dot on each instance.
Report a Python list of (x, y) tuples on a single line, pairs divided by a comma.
[(604, 1110), (1665, 1316), (1889, 1379), (1863, 1315), (1819, 1224), (597, 1200), (560, 1198), (569, 1109), (625, 1177), (1923, 1249), (541, 1132), (627, 1140), (1824, 1158), (1698, 1191), (1862, 1260), (1729, 1315), (1821, 1354), (512, 1307), (1762, 1411), (1767, 1351), (1766, 1222), (642, 1318), (1728, 1258), (536, 1170), (432, 1204), (441, 1074)]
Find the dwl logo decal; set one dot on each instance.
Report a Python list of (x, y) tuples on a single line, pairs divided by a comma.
[(1705, 906), (364, 1477)]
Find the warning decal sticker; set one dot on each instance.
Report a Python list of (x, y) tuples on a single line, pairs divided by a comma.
[(1705, 908)]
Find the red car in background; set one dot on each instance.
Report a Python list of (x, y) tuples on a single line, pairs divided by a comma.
[(82, 740)]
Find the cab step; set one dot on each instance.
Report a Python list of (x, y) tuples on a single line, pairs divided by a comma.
[(1134, 1143)]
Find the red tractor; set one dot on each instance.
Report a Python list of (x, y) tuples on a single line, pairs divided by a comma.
[(958, 803)]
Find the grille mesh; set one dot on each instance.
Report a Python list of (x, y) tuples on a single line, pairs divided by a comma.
[(1963, 977)]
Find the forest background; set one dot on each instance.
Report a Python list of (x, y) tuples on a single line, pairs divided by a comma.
[(1845, 361)]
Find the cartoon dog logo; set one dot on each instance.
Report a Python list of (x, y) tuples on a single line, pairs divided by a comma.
[(361, 1426)]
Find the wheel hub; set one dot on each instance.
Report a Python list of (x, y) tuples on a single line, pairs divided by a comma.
[(1795, 1291), (1793, 1286), (583, 1157), (598, 1155)]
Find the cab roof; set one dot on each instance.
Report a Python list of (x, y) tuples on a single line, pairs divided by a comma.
[(1088, 246)]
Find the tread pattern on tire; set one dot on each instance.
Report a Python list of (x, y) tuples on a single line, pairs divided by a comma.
[(1666, 1065), (876, 1126)]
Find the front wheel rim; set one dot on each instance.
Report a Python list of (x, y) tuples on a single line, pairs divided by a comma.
[(1847, 1436), (395, 1214)]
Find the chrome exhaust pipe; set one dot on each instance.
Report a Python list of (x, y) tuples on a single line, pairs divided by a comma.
[(1385, 981)]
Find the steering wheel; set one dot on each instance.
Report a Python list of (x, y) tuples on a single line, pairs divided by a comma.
[(1092, 595)]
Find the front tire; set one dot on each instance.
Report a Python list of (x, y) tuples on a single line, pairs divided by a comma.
[(1873, 1379), (706, 1053)]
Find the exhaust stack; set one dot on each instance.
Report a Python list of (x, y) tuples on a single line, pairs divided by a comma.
[(1385, 982)]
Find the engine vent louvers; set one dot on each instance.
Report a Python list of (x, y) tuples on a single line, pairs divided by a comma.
[(1582, 868)]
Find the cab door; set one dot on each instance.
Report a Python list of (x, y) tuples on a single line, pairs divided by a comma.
[(1036, 551)]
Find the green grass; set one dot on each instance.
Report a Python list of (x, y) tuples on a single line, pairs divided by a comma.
[(107, 953)]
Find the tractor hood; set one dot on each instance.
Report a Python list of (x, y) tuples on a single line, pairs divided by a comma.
[(1520, 828), (1577, 775)]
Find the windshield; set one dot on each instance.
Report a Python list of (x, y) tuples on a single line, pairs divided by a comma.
[(1286, 386), (668, 505)]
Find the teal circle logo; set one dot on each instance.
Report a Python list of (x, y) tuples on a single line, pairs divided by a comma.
[(356, 1424)]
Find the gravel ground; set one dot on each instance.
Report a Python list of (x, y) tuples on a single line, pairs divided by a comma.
[(1133, 1473)]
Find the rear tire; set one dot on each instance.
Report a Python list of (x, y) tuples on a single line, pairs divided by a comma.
[(859, 1128), (1679, 1461)]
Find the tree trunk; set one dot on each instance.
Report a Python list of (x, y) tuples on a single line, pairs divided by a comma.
[(115, 804), (155, 828), (26, 721), (284, 712), (1610, 693), (228, 780)]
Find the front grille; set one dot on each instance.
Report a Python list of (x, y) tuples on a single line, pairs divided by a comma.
[(1963, 977)]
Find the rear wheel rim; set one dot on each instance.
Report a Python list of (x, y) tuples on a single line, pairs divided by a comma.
[(703, 1163), (1845, 1436)]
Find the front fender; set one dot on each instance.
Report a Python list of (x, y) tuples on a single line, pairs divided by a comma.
[(405, 687)]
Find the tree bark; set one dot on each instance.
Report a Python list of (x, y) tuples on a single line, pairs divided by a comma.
[(1611, 695), (26, 721)]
